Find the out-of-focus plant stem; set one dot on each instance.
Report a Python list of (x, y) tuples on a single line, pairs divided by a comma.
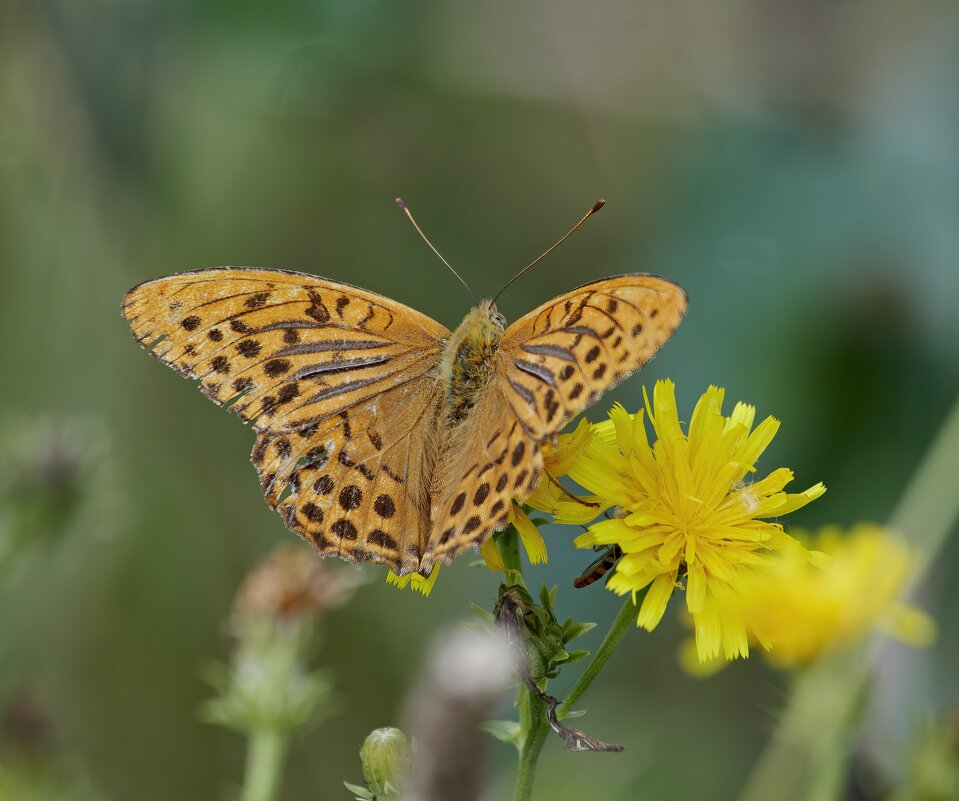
[(266, 751), (800, 760)]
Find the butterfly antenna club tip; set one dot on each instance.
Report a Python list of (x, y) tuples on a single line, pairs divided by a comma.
[(593, 209), (401, 204)]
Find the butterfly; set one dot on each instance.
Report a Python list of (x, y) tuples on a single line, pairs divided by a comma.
[(382, 435)]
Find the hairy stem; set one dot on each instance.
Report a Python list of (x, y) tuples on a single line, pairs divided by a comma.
[(535, 728), (508, 544)]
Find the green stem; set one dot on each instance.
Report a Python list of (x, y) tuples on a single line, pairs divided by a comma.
[(266, 751), (532, 710), (535, 729), (508, 543), (624, 621)]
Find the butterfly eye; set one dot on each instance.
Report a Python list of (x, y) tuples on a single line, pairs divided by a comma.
[(500, 320)]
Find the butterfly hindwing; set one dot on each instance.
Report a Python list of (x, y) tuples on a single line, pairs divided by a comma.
[(357, 486), (487, 463), (558, 359)]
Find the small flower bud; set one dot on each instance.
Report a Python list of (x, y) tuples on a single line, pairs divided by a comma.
[(386, 757)]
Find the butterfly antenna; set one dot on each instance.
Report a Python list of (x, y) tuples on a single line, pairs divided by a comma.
[(596, 207), (406, 211)]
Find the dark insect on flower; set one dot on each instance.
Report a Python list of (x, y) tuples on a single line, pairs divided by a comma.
[(599, 568)]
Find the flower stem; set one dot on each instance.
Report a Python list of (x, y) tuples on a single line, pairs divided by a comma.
[(532, 711), (266, 751), (508, 543), (624, 621), (535, 728)]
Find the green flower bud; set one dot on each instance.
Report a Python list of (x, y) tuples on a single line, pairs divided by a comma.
[(386, 757)]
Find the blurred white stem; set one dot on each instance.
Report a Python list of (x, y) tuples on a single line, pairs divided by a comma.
[(266, 751), (465, 676)]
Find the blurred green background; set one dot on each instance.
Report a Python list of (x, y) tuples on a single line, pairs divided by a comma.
[(794, 164)]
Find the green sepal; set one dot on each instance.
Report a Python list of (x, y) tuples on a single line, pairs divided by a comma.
[(483, 614), (573, 630), (506, 731), (361, 793)]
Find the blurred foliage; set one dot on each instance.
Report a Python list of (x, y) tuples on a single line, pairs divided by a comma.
[(792, 163), (933, 773)]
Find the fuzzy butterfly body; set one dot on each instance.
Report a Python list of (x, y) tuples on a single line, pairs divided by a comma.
[(381, 435)]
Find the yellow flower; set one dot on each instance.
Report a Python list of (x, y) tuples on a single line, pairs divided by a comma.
[(421, 584), (550, 496), (684, 515), (801, 610)]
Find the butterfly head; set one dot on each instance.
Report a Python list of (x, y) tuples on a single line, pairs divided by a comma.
[(488, 307), (479, 333)]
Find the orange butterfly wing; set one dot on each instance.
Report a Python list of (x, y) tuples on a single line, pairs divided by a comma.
[(550, 365), (340, 383), (558, 359)]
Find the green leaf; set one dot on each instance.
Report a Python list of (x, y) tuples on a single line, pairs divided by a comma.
[(559, 656), (483, 614), (507, 731), (546, 600), (575, 656), (574, 713), (573, 630), (361, 793)]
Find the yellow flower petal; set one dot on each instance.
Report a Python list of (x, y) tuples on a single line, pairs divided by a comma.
[(695, 589), (418, 583), (398, 581), (909, 625), (559, 459), (424, 586), (654, 604), (799, 500), (492, 556), (529, 535)]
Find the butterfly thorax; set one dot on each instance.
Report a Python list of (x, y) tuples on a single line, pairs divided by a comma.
[(466, 365)]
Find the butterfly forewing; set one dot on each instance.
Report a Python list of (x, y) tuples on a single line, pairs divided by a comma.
[(288, 349), (561, 357), (340, 382)]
